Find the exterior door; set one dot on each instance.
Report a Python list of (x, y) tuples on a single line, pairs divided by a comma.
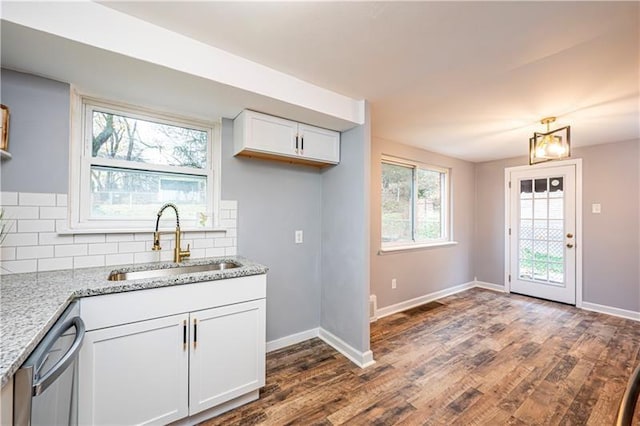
[(542, 232)]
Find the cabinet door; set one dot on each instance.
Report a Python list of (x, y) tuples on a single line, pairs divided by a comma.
[(227, 353), (135, 373), (270, 134), (319, 144)]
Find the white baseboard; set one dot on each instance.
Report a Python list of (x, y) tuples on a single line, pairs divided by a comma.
[(292, 339), (412, 303), (489, 286), (610, 310), (361, 359)]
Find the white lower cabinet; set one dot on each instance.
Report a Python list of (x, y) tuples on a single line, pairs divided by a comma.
[(134, 374), (162, 370), (227, 359)]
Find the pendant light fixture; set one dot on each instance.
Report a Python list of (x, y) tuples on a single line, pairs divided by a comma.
[(552, 145)]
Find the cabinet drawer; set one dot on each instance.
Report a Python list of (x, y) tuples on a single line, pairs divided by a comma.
[(122, 308)]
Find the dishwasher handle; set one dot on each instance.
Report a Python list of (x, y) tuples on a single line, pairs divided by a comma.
[(42, 382)]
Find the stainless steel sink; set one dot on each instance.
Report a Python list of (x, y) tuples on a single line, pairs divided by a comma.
[(158, 273)]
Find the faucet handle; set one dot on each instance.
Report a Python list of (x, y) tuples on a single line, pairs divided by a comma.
[(156, 242)]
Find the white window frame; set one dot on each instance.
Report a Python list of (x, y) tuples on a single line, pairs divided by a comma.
[(81, 161), (447, 214)]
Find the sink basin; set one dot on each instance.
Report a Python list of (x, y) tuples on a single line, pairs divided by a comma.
[(168, 272)]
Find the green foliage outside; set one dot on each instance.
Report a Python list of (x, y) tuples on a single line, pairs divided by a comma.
[(398, 208), (134, 193), (539, 262)]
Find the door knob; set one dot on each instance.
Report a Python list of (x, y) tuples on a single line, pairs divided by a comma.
[(569, 235), (569, 245)]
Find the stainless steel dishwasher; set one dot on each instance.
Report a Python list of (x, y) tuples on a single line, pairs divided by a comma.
[(45, 386)]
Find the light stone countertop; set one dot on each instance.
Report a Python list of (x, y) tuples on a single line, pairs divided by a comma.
[(31, 303)]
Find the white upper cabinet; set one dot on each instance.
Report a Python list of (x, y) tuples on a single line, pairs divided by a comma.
[(264, 136), (319, 144)]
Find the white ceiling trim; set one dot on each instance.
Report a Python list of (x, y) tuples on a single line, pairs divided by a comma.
[(98, 26)]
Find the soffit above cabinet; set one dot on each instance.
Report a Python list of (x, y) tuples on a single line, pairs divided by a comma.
[(184, 76)]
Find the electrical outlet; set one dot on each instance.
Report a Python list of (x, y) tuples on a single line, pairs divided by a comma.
[(394, 283), (299, 237), (596, 208)]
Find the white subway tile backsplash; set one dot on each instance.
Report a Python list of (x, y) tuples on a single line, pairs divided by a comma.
[(213, 252), (228, 204), (8, 198), (195, 235), (54, 238), (55, 263), (114, 238), (18, 266), (20, 212), (203, 243), (88, 261), (89, 238), (223, 242), (62, 225), (166, 256), (198, 253), (34, 252), (131, 247), (39, 238), (144, 236), (147, 256), (15, 240), (35, 199), (230, 251), (29, 225), (214, 234), (227, 223), (10, 225), (61, 200), (71, 250), (53, 212), (118, 259), (7, 253), (106, 248)]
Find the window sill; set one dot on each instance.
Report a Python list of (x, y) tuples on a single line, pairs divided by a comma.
[(409, 247), (133, 231)]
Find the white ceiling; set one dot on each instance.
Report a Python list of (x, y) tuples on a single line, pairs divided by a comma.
[(471, 79)]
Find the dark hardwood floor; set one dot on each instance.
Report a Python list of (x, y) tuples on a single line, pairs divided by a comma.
[(477, 357)]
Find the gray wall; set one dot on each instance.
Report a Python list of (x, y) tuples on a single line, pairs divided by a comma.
[(274, 200), (38, 133), (611, 240), (423, 271), (345, 241)]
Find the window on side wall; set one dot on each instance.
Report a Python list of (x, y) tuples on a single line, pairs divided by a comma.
[(127, 162), (415, 204)]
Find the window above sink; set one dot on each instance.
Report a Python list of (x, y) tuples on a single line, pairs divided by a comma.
[(128, 161)]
